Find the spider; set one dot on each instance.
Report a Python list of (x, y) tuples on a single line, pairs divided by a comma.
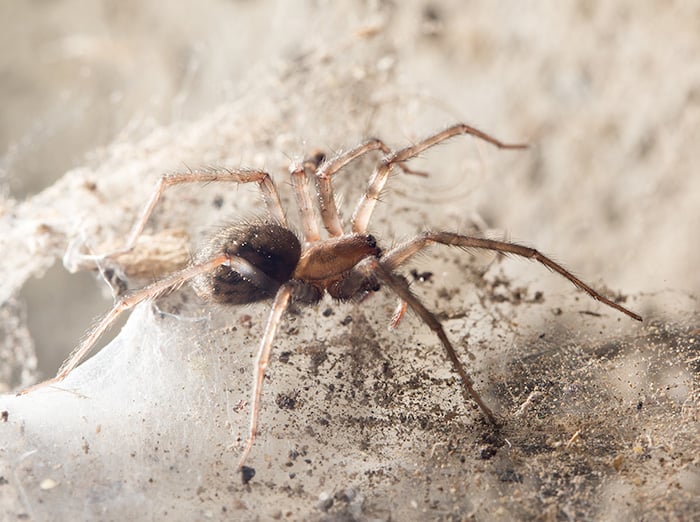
[(262, 260)]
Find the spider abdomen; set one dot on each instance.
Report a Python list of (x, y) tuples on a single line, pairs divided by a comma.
[(271, 248)]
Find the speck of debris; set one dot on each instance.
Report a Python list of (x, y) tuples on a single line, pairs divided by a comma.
[(218, 201), (43, 228), (284, 357), (286, 402), (325, 502), (421, 276), (318, 356), (48, 484), (509, 475), (328, 312), (247, 474), (617, 462), (117, 282), (347, 495), (639, 405), (3, 481), (488, 452), (346, 321), (4, 415)]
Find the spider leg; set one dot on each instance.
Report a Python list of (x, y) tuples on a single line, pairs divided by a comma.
[(208, 176), (402, 253), (401, 288), (329, 210), (152, 291), (398, 314), (263, 358), (300, 183), (365, 207)]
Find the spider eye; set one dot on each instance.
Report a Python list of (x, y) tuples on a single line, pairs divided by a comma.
[(370, 242)]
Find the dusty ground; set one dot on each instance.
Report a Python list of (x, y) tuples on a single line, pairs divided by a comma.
[(600, 414)]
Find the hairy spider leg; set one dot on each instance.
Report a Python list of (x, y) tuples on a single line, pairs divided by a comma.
[(374, 266), (365, 207), (384, 269), (263, 359), (307, 212), (326, 198), (261, 177), (150, 292), (402, 253)]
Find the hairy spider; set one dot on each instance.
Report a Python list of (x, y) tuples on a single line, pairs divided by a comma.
[(251, 262)]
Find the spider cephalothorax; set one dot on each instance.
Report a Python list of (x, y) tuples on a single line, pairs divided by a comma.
[(250, 262)]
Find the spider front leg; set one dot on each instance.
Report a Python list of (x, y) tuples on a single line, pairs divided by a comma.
[(402, 253), (329, 210), (365, 207), (300, 183)]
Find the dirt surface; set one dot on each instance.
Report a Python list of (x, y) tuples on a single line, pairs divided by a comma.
[(600, 414)]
